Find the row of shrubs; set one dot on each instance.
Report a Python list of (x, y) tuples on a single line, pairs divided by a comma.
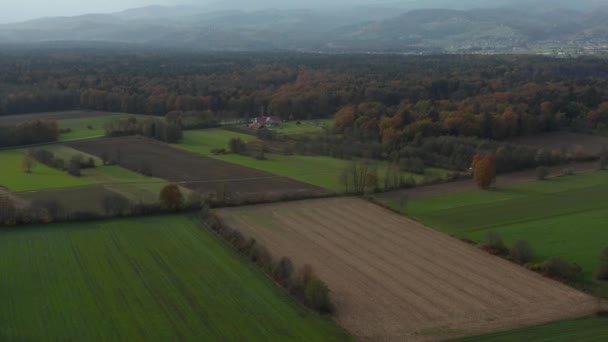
[(73, 166), (302, 284)]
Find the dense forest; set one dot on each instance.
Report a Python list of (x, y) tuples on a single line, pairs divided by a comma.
[(388, 98)]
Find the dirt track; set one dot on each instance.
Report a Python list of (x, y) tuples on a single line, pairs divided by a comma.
[(13, 120), (392, 279), (190, 169), (469, 185)]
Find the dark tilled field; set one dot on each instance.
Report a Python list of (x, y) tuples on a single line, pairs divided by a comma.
[(13, 120), (189, 169)]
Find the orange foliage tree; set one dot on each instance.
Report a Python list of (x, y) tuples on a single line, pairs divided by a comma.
[(171, 197), (484, 169)]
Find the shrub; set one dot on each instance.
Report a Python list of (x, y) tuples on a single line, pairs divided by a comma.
[(521, 252), (8, 210), (542, 173), (317, 296), (283, 270), (602, 272), (237, 145), (603, 161), (562, 270), (494, 244), (262, 257), (115, 204), (75, 165), (568, 172), (218, 151)]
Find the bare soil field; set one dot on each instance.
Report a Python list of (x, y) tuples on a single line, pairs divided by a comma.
[(190, 169), (469, 185), (564, 140), (13, 120), (393, 279)]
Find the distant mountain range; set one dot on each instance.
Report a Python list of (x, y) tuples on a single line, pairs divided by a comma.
[(469, 25)]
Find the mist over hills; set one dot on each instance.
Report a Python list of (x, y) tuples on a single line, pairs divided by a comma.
[(416, 26)]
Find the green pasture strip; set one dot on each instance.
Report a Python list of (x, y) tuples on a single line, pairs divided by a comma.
[(155, 278)]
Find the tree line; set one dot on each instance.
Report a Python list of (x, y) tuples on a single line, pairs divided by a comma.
[(391, 99)]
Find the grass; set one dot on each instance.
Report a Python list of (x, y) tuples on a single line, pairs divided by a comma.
[(317, 170), (66, 153), (562, 217), (153, 278), (132, 185), (583, 330), (88, 127), (42, 177), (305, 127)]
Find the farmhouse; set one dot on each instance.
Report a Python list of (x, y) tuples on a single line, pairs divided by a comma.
[(266, 122)]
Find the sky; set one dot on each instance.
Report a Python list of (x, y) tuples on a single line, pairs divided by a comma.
[(20, 10)]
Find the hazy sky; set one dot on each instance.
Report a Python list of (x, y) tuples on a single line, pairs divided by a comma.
[(18, 10)]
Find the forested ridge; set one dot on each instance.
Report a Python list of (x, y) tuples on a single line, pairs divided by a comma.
[(384, 97)]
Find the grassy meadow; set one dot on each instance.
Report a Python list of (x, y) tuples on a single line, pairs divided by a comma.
[(154, 278), (13, 177), (317, 170), (563, 216), (305, 127), (88, 127), (591, 329)]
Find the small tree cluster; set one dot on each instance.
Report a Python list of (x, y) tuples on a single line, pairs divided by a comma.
[(494, 244), (150, 127), (542, 173), (603, 161), (484, 170), (559, 269), (360, 177), (521, 252), (237, 146), (171, 198), (305, 286), (602, 271)]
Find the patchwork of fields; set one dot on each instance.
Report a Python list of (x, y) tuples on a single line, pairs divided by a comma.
[(153, 278), (563, 216), (189, 169), (393, 279), (321, 171), (42, 177)]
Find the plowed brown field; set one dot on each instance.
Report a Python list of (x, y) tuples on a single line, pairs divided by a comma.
[(190, 169), (393, 279)]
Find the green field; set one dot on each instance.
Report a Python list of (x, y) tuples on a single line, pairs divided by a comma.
[(88, 127), (305, 127), (581, 330), (42, 177), (317, 170), (154, 278), (563, 217)]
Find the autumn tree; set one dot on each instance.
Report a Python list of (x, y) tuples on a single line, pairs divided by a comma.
[(345, 117), (484, 169), (171, 197)]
